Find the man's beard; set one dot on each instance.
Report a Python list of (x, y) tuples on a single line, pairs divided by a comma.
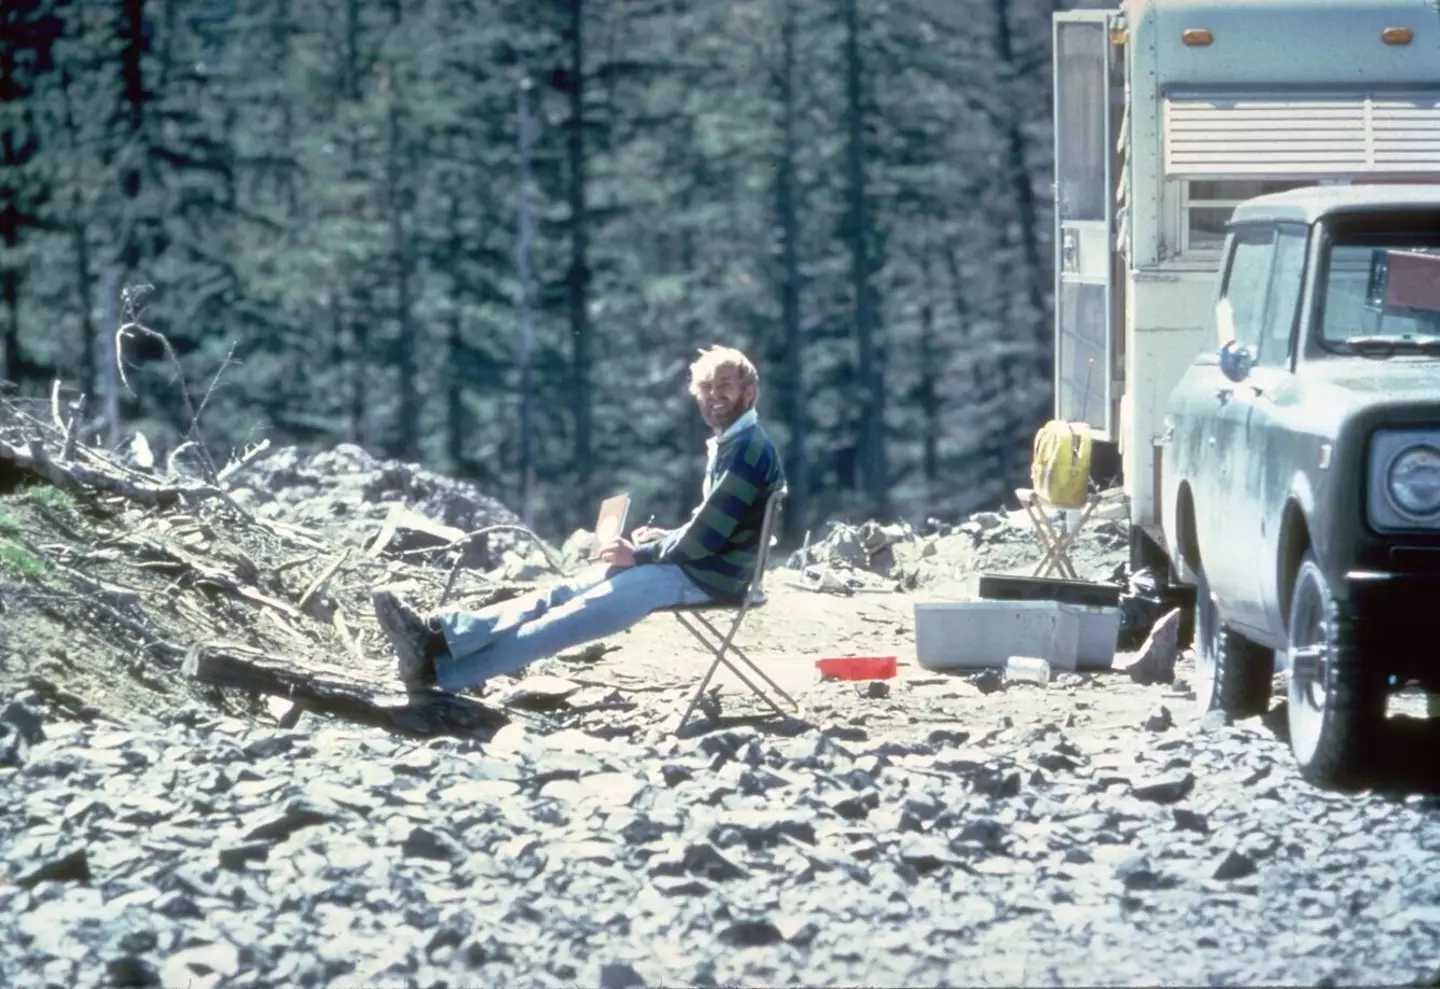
[(721, 419)]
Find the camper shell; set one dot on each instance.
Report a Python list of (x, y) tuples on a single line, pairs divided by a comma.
[(1168, 115)]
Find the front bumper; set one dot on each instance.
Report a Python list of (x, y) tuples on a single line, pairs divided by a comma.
[(1377, 594), (1390, 617)]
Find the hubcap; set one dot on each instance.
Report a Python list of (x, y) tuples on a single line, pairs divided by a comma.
[(1309, 665)]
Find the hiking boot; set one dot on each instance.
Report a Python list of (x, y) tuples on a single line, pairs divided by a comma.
[(417, 640)]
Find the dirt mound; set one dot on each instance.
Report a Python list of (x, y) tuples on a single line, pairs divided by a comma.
[(333, 490), (876, 555), (134, 586)]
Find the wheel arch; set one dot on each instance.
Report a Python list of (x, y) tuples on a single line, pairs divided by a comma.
[(1187, 549), (1294, 543)]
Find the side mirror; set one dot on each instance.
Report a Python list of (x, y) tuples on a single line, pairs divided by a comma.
[(1236, 361)]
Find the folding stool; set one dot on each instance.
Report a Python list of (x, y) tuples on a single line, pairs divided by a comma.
[(721, 644)]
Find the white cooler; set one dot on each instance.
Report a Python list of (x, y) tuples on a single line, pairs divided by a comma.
[(960, 635)]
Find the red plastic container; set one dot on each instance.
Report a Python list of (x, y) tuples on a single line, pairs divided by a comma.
[(857, 667)]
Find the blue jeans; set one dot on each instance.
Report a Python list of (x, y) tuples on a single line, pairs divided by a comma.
[(599, 601)]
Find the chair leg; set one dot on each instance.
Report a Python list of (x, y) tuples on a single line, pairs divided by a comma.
[(728, 644), (1058, 559), (695, 698), (757, 690), (1045, 535), (709, 673), (1056, 544), (718, 652), (1066, 542), (758, 672)]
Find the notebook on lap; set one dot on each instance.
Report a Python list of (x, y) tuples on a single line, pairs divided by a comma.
[(610, 523)]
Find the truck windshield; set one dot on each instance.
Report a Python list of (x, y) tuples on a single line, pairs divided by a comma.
[(1380, 292)]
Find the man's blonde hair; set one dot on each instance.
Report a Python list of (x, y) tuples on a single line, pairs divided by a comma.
[(716, 359)]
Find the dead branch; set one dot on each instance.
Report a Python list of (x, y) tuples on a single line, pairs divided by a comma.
[(318, 585), (342, 629), (464, 541), (244, 460), (175, 455), (291, 533), (135, 326), (280, 568), (101, 457), (222, 581), (117, 597), (72, 428), (450, 582), (209, 391), (76, 477)]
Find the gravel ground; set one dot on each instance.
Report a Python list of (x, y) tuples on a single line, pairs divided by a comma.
[(206, 851), (931, 829)]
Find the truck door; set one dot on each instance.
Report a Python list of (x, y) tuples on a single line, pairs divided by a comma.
[(1225, 498), (1087, 313), (1258, 418)]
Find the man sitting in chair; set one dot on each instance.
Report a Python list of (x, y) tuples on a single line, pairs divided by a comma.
[(709, 559)]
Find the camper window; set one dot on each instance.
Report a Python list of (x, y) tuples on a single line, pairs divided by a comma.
[(1208, 203)]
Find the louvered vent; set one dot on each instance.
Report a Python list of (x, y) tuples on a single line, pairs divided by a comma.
[(1308, 136)]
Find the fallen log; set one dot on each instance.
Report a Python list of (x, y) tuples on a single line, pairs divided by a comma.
[(330, 691)]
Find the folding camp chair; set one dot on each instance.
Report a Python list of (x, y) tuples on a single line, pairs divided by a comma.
[(1055, 543), (721, 645)]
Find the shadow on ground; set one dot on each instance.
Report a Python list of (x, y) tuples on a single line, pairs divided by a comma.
[(1396, 767)]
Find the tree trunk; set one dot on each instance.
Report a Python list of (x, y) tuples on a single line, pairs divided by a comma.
[(787, 209), (524, 306), (10, 291), (351, 83), (927, 394), (133, 97), (282, 26), (455, 429), (870, 351), (107, 374), (981, 376), (350, 324), (1023, 188), (357, 360), (407, 442), (577, 280)]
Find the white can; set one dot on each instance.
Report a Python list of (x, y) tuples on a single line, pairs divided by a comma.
[(1027, 669)]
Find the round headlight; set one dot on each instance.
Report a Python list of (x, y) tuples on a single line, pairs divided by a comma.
[(1414, 480)]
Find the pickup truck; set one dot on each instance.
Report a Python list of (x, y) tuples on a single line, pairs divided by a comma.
[(1301, 492)]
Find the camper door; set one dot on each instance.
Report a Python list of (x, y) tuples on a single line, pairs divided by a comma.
[(1085, 305)]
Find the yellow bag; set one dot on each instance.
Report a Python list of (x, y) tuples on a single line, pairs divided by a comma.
[(1060, 470)]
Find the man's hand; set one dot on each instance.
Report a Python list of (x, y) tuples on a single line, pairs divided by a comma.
[(620, 553), (647, 534)]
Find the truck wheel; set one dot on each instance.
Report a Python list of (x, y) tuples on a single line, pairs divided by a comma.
[(1336, 706), (1232, 674)]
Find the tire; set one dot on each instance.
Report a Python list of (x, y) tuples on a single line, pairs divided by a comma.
[(1337, 712), (1232, 674)]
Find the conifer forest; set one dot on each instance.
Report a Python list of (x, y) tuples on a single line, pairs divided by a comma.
[(489, 236)]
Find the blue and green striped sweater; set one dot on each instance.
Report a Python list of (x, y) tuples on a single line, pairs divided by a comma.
[(717, 547)]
